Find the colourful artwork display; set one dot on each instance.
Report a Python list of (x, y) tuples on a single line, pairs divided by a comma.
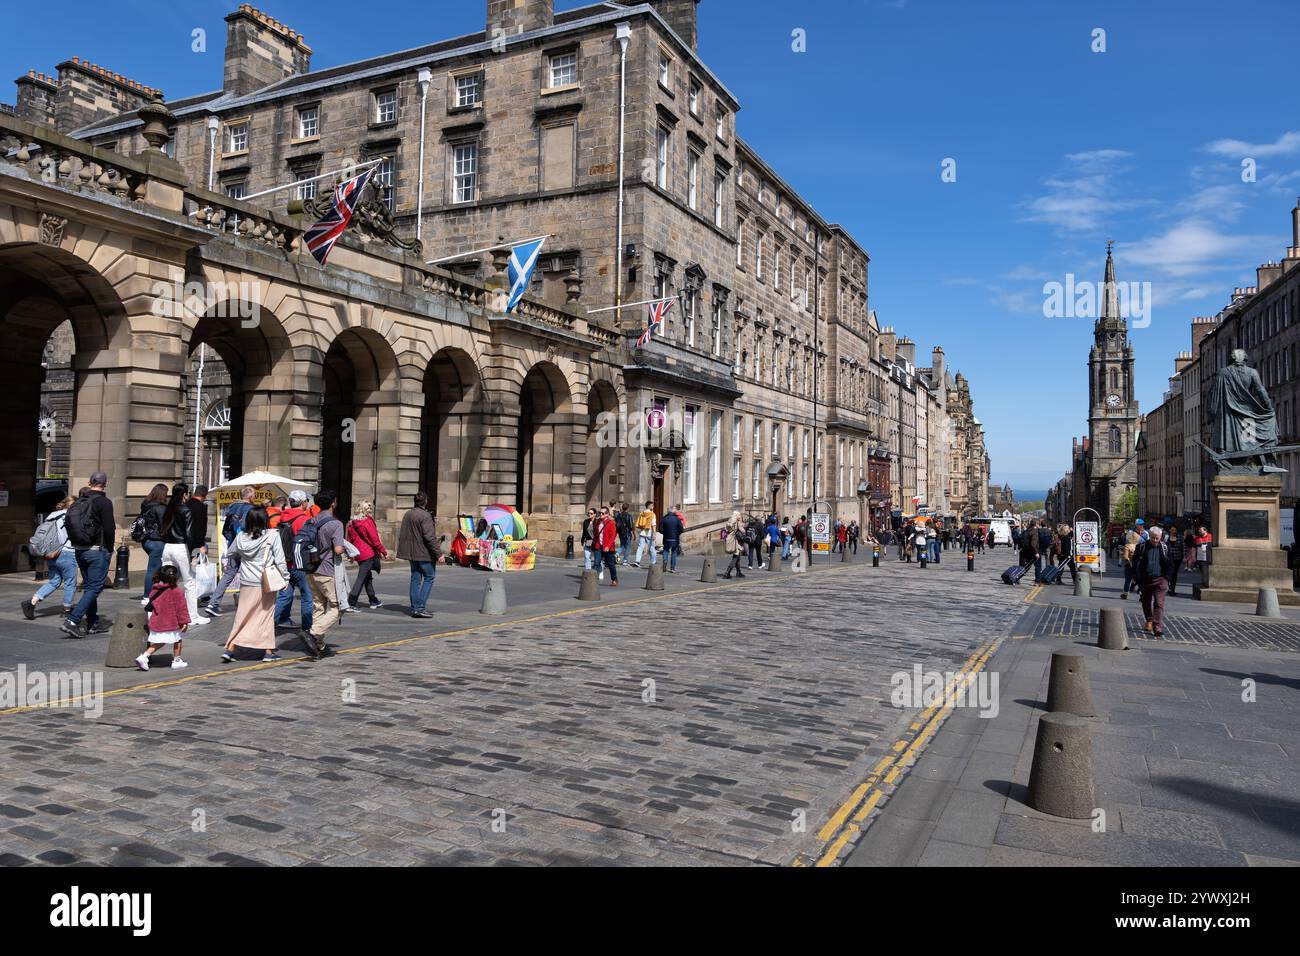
[(508, 555)]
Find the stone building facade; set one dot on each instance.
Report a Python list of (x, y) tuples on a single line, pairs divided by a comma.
[(777, 384)]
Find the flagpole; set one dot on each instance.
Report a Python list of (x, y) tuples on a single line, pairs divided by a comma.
[(476, 252), (300, 182), (628, 305)]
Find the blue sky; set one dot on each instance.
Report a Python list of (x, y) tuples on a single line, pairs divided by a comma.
[(1057, 149)]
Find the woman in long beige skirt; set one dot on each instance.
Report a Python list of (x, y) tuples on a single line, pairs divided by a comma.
[(258, 548)]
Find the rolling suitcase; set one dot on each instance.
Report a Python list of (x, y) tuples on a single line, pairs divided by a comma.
[(1051, 574), (1013, 574)]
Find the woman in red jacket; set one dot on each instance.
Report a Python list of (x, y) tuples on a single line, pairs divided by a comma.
[(605, 532), (364, 536)]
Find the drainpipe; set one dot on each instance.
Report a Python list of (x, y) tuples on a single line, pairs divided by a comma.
[(622, 32), (424, 77), (213, 124)]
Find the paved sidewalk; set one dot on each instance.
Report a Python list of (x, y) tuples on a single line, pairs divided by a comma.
[(1188, 773)]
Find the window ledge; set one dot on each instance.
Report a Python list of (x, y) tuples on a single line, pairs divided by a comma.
[(239, 152), (567, 88)]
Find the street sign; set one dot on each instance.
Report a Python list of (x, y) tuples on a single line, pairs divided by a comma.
[(1087, 545), (821, 533)]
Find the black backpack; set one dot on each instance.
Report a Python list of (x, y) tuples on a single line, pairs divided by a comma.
[(307, 554), (285, 530), (145, 526), (85, 530)]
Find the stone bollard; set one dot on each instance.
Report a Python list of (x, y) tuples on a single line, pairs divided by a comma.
[(654, 579), (709, 573), (494, 595), (589, 590), (846, 556), (774, 561), (799, 562), (1266, 604), (1083, 584), (1061, 778), (1068, 688), (1112, 632), (128, 639)]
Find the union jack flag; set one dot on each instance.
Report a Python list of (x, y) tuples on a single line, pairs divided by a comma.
[(321, 237), (658, 312)]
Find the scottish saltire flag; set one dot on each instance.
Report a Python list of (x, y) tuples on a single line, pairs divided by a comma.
[(658, 312), (523, 260), (321, 237)]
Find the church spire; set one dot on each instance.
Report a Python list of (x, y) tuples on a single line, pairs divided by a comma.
[(1109, 292)]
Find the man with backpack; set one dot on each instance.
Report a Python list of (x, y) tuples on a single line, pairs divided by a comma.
[(232, 524), (319, 564), (291, 521), (91, 529)]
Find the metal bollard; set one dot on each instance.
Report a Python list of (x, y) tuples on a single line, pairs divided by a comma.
[(875, 556), (970, 560), (122, 579), (568, 548)]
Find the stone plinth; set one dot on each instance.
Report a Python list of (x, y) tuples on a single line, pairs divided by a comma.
[(1246, 554)]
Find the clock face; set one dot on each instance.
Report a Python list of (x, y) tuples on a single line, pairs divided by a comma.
[(1112, 401)]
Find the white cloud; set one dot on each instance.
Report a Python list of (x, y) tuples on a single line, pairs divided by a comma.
[(1193, 245), (1284, 145), (1083, 195)]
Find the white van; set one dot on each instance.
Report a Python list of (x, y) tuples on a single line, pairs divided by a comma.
[(1001, 529)]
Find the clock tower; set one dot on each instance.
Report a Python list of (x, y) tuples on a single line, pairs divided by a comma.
[(1112, 403)]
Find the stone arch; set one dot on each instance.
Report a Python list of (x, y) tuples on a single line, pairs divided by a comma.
[(452, 433), (51, 298), (360, 418), (258, 361), (605, 431), (543, 467)]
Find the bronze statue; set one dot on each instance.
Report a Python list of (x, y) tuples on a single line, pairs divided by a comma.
[(1243, 423)]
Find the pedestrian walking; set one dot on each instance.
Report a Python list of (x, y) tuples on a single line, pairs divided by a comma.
[(1177, 554), (588, 539), (176, 534), (1029, 552), (51, 543), (169, 618), (263, 573), (198, 507), (418, 544), (733, 533), (605, 546), (363, 535), (325, 596), (1131, 540), (91, 529), (773, 537), (646, 523), (787, 538), (1203, 541), (144, 531), (672, 526), (232, 524), (1152, 567), (624, 524), (291, 521), (1064, 552)]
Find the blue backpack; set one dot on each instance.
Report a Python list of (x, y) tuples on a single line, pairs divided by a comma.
[(234, 520)]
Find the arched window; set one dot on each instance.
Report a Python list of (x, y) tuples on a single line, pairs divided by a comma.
[(1116, 445), (1114, 378)]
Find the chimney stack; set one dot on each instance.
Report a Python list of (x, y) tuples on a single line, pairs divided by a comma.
[(507, 18), (681, 16), (260, 50)]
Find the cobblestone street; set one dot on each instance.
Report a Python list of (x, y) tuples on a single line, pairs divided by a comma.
[(540, 742)]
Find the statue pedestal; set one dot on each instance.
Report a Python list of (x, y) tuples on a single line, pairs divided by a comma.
[(1246, 554)]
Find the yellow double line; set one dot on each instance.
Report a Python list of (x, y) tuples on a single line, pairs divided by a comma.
[(840, 829)]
